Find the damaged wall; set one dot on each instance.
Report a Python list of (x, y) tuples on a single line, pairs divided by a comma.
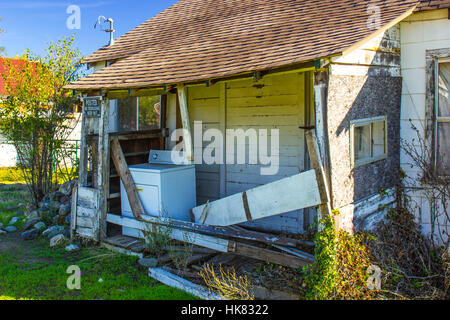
[(356, 97), (364, 83)]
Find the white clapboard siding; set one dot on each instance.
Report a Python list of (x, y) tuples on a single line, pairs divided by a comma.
[(286, 195), (204, 106), (275, 102)]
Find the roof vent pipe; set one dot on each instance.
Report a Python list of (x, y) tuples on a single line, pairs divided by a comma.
[(110, 30)]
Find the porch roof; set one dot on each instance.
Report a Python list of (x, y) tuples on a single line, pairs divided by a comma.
[(208, 39)]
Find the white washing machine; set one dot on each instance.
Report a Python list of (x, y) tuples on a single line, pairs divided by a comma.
[(166, 189)]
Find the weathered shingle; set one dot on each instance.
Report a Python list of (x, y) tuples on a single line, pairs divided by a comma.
[(433, 5), (204, 39)]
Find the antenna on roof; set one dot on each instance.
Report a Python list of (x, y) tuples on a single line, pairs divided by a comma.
[(110, 30)]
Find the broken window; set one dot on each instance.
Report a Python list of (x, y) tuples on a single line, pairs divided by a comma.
[(369, 142), (138, 114), (443, 119)]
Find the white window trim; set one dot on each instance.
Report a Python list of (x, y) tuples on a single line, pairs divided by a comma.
[(438, 119), (364, 122)]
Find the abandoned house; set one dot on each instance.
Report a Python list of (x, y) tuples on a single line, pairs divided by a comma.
[(288, 109)]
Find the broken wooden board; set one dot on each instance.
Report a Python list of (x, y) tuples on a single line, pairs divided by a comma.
[(177, 282), (227, 232), (218, 244), (84, 213), (282, 196)]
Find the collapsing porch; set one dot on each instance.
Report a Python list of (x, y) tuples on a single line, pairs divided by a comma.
[(212, 231)]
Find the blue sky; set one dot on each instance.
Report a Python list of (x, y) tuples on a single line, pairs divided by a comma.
[(33, 24)]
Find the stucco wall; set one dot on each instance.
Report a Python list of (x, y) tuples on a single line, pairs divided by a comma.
[(360, 97), (420, 32)]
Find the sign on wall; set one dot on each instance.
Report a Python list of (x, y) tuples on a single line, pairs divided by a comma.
[(92, 107)]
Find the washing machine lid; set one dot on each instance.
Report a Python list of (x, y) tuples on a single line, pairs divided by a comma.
[(157, 167)]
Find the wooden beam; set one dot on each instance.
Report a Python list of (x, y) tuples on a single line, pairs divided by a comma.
[(187, 137), (127, 180), (316, 164), (73, 212), (175, 281), (226, 232), (215, 243), (103, 170)]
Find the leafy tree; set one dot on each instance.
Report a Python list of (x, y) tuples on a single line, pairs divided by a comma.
[(37, 114)]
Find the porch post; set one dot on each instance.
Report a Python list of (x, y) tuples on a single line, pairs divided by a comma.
[(103, 171), (187, 139)]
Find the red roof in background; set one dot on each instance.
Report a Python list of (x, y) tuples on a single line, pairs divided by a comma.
[(14, 62)]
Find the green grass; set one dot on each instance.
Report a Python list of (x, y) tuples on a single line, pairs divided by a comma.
[(32, 270), (11, 176)]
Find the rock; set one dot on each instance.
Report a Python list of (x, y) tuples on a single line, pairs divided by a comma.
[(56, 196), (64, 209), (13, 220), (72, 247), (65, 199), (2, 232), (30, 234), (10, 229), (52, 229), (67, 187), (58, 240), (55, 233), (148, 262), (30, 224), (40, 226), (31, 214)]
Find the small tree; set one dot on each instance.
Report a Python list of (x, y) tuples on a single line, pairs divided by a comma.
[(37, 115)]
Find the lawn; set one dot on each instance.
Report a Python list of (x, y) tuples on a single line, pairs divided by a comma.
[(31, 270)]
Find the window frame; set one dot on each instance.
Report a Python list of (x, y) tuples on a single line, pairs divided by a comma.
[(433, 57), (161, 101), (364, 122), (437, 119)]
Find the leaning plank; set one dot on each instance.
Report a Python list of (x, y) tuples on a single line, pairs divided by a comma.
[(177, 282), (316, 163), (285, 195), (127, 180)]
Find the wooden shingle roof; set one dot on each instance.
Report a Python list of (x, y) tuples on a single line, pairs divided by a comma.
[(433, 5), (204, 39)]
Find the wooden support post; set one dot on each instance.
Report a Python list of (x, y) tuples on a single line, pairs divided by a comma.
[(127, 180), (187, 137), (316, 164), (83, 170), (73, 212), (103, 171)]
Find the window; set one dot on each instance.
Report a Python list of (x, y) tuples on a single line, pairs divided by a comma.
[(442, 126), (368, 140), (138, 114)]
